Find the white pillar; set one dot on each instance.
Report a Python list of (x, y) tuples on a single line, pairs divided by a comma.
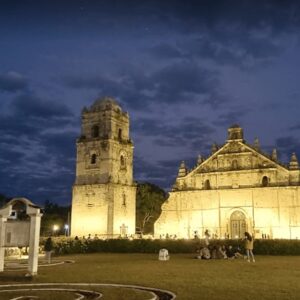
[(2, 241), (35, 224)]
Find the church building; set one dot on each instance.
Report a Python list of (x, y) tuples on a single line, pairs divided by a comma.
[(104, 191), (237, 188)]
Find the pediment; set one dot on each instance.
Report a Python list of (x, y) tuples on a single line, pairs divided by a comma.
[(236, 156)]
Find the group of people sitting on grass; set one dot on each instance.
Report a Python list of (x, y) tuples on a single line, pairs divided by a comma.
[(226, 252), (218, 252)]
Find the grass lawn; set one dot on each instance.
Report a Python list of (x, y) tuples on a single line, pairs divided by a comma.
[(271, 277)]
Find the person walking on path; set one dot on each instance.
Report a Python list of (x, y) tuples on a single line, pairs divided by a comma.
[(249, 246)]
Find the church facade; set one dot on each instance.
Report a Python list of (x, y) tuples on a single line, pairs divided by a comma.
[(104, 192), (237, 188)]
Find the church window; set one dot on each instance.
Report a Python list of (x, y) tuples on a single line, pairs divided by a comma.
[(207, 185), (95, 131), (120, 134), (124, 200), (93, 159), (265, 181), (234, 164), (122, 162)]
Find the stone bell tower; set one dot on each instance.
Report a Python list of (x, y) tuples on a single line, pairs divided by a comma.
[(104, 192)]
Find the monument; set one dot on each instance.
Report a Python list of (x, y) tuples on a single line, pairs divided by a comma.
[(103, 200), (20, 222), (237, 188)]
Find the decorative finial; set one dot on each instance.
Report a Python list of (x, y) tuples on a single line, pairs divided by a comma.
[(274, 154), (294, 165), (214, 148), (182, 170), (256, 144), (199, 160)]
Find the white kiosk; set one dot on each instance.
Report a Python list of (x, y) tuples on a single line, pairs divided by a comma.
[(21, 232)]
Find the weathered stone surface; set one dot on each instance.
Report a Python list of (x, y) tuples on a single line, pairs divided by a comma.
[(104, 193), (236, 180)]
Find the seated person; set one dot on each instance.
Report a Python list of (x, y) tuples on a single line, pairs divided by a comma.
[(230, 252), (203, 253), (233, 252), (221, 253)]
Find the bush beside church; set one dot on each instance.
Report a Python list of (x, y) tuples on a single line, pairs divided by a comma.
[(261, 247)]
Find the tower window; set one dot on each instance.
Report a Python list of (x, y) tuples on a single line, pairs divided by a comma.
[(95, 131), (120, 134), (124, 200), (265, 181), (93, 159), (122, 162), (207, 184)]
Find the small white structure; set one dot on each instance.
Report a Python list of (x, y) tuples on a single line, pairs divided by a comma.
[(21, 233), (163, 254)]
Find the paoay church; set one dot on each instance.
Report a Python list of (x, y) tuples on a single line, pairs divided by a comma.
[(237, 188)]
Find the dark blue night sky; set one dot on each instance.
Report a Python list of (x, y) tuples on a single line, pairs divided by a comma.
[(184, 70)]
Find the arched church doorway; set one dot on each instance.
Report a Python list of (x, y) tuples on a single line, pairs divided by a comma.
[(237, 224)]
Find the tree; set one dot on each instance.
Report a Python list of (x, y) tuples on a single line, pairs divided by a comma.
[(149, 198), (3, 200), (54, 215)]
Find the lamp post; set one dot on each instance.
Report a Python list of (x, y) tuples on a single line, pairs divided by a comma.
[(55, 229)]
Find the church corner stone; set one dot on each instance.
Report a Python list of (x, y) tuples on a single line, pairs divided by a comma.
[(104, 192)]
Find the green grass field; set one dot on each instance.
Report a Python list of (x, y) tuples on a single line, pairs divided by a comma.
[(269, 278)]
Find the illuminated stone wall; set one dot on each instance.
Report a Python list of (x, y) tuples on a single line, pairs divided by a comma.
[(104, 194), (237, 188)]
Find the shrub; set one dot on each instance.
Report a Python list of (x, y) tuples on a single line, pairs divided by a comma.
[(63, 245)]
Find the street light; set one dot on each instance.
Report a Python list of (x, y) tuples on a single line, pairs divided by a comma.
[(55, 229)]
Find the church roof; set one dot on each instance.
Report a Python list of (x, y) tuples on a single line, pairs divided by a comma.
[(239, 144), (105, 103), (235, 126)]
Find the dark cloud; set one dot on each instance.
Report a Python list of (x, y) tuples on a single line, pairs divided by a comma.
[(151, 56), (234, 116), (32, 106), (184, 81), (175, 83), (37, 149), (12, 82), (287, 145), (30, 115), (238, 49), (188, 129), (161, 173), (295, 127), (165, 51)]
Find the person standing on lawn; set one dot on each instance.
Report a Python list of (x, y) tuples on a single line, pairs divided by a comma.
[(48, 249), (249, 246)]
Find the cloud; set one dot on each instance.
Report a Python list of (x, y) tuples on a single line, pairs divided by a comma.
[(32, 106), (243, 34), (178, 82), (30, 116), (161, 173), (237, 49), (12, 82), (165, 51), (37, 149), (192, 134), (233, 116), (287, 145)]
